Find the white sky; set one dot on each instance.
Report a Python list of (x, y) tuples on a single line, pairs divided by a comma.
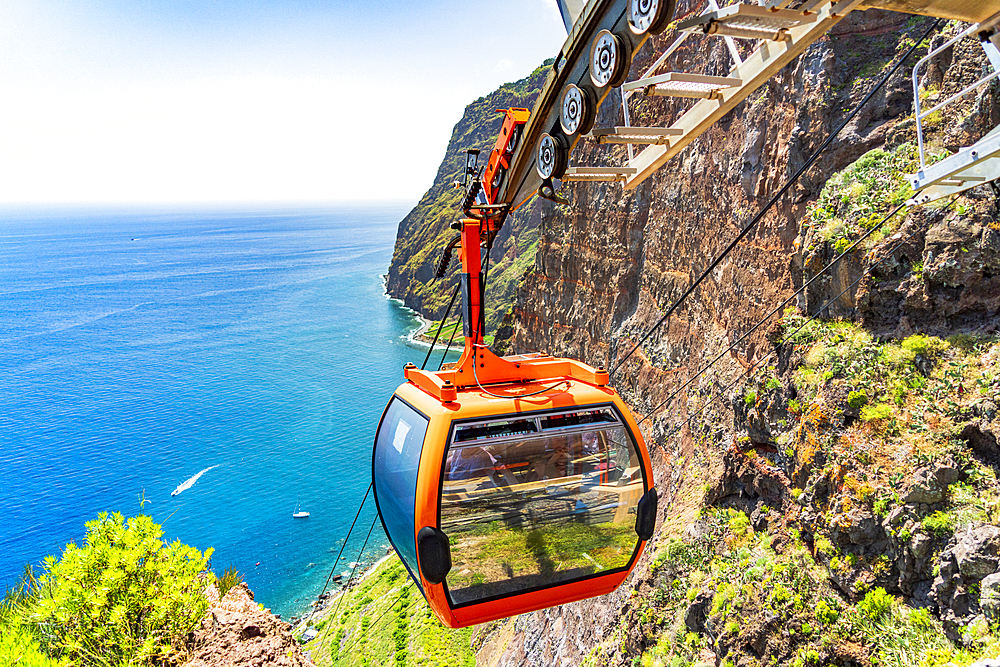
[(177, 101)]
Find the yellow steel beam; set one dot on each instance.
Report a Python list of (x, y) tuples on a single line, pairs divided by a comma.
[(755, 71)]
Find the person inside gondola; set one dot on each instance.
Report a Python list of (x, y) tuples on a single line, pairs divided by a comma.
[(470, 463)]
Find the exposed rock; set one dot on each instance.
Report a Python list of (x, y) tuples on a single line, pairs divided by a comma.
[(973, 555), (694, 618), (989, 595), (236, 632), (930, 485), (982, 438), (976, 553)]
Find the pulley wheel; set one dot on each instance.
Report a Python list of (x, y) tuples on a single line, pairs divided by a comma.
[(498, 179), (578, 110), (609, 60), (550, 160), (515, 139), (650, 16)]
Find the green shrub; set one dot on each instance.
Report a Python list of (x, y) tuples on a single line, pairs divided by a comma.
[(873, 412), (739, 523), (230, 578), (823, 546), (826, 614), (857, 399), (772, 384), (875, 604), (19, 647), (121, 598), (928, 346), (881, 507), (780, 594), (750, 399), (939, 523)]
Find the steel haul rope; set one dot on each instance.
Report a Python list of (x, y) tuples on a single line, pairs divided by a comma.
[(774, 199)]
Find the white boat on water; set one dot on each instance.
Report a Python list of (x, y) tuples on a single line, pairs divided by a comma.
[(299, 514)]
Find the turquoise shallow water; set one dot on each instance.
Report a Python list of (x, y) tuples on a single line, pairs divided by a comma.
[(138, 348)]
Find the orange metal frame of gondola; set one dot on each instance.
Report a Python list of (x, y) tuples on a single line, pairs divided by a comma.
[(503, 150), (474, 387)]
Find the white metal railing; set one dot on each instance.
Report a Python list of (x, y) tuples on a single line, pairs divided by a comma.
[(920, 115)]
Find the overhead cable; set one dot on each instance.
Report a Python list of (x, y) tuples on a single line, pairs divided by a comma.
[(789, 336), (781, 192), (777, 309)]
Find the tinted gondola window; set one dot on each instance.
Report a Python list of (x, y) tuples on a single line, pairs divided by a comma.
[(540, 507), (398, 444)]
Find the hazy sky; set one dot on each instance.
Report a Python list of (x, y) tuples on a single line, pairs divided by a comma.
[(247, 100)]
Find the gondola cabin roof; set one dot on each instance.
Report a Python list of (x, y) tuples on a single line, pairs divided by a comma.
[(474, 482)]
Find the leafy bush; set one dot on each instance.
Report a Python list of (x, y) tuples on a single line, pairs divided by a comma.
[(873, 412), (122, 597), (826, 614), (857, 399), (823, 546), (780, 594), (750, 399), (928, 346), (19, 647), (876, 604), (939, 523)]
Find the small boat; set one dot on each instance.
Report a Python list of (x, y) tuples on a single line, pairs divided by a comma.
[(299, 514)]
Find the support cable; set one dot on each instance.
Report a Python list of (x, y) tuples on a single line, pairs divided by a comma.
[(774, 199), (448, 349), (344, 545), (441, 326), (788, 337), (777, 309), (371, 626), (332, 618)]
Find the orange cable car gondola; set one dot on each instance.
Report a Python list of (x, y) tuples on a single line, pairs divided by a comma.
[(510, 484)]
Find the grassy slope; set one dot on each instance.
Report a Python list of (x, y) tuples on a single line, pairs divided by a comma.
[(424, 232), (383, 622)]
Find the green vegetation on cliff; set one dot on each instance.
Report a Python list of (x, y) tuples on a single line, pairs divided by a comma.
[(855, 520), (123, 597), (425, 231), (385, 622)]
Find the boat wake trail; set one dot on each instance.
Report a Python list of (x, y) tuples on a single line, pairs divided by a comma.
[(189, 483)]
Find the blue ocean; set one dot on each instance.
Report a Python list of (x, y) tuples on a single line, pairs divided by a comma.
[(139, 348)]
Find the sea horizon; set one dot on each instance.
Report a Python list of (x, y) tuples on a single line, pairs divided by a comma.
[(250, 349)]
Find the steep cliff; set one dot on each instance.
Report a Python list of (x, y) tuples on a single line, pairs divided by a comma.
[(425, 231), (783, 473), (829, 488)]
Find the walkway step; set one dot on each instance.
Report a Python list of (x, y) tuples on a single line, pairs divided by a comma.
[(967, 168), (597, 174), (683, 84), (748, 22), (634, 135)]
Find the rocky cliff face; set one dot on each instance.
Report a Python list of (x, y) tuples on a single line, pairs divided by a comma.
[(773, 450)]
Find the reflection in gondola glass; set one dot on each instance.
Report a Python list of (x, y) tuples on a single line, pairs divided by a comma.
[(538, 501)]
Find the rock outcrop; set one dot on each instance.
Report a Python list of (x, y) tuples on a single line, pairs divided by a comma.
[(237, 632)]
